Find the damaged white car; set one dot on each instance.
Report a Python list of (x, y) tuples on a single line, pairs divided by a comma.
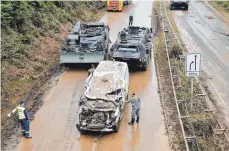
[(102, 104)]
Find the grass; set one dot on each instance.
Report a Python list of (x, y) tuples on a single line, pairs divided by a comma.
[(222, 7), (32, 33), (168, 101)]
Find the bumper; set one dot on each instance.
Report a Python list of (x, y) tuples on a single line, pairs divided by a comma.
[(131, 62), (106, 129), (180, 4), (113, 8), (69, 58)]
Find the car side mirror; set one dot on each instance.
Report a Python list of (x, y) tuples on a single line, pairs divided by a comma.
[(151, 30), (118, 33), (108, 28)]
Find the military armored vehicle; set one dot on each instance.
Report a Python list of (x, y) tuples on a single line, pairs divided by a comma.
[(87, 43), (102, 104), (133, 46)]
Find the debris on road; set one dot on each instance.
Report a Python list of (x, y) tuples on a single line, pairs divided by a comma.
[(102, 104)]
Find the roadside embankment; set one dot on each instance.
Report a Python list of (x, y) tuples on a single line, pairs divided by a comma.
[(220, 7), (192, 120), (32, 34)]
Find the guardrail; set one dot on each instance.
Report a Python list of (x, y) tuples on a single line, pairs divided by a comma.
[(204, 106)]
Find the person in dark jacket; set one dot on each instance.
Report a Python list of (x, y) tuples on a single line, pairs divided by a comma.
[(131, 18), (23, 119), (91, 70), (135, 103)]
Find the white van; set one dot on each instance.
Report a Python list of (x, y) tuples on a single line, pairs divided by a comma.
[(102, 104)]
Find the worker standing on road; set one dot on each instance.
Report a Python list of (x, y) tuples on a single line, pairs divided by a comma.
[(90, 71), (23, 118), (131, 18), (135, 102)]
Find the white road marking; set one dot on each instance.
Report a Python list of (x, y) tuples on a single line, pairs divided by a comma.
[(227, 47), (219, 96)]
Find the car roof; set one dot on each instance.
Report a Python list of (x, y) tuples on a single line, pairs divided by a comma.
[(106, 78)]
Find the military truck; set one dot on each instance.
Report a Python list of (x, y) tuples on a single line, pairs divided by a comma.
[(87, 43), (133, 46), (102, 103)]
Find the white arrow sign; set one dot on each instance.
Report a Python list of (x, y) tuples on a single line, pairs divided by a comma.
[(192, 64)]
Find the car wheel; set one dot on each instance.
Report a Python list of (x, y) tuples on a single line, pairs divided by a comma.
[(80, 130), (145, 65), (171, 7), (186, 8), (144, 68), (116, 126)]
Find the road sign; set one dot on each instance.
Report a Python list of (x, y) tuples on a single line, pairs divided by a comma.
[(192, 64)]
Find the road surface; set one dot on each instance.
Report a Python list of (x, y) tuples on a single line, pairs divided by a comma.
[(203, 31), (54, 127)]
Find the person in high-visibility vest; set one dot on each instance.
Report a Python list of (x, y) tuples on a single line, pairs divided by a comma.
[(23, 118)]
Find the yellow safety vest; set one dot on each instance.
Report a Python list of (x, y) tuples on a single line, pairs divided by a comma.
[(20, 111)]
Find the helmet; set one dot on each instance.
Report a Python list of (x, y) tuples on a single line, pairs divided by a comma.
[(22, 103)]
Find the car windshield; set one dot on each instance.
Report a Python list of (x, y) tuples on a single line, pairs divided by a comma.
[(127, 48)]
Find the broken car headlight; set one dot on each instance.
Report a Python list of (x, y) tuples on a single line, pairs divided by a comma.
[(84, 123), (84, 108)]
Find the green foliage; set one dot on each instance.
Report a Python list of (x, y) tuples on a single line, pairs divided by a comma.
[(24, 21), (224, 4), (30, 32)]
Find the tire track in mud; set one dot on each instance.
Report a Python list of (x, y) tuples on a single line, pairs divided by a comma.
[(42, 127), (69, 136)]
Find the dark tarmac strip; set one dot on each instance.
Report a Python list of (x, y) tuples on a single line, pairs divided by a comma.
[(203, 31)]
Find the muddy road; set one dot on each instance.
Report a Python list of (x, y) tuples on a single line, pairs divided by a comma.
[(203, 31), (54, 127)]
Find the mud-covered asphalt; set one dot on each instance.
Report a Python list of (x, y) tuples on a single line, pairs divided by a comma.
[(54, 127), (203, 31)]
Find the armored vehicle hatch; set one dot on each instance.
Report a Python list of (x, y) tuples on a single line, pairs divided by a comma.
[(87, 43), (133, 46)]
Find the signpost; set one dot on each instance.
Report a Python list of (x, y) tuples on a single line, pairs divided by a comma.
[(192, 69)]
